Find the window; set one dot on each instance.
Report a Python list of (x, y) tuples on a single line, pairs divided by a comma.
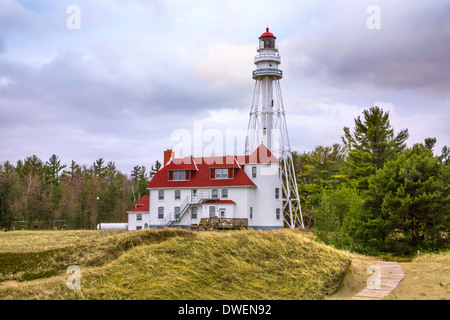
[(194, 192), (253, 172), (212, 211), (177, 194), (224, 193), (179, 175), (277, 193), (160, 212), (177, 213), (138, 227), (215, 193), (194, 212), (161, 195), (278, 213), (251, 212), (221, 173), (139, 217)]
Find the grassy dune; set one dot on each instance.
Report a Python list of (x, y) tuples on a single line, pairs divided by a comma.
[(174, 264)]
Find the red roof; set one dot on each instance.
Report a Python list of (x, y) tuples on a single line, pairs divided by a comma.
[(267, 34), (142, 205), (201, 177), (186, 163), (190, 163), (220, 162), (220, 201), (200, 166), (261, 155)]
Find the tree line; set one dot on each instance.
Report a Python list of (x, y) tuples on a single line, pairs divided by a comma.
[(40, 192), (372, 194), (368, 193)]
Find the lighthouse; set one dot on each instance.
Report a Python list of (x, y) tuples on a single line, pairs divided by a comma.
[(267, 124), (256, 190)]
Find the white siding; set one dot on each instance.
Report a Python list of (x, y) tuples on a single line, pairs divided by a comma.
[(263, 202), (261, 198), (134, 224)]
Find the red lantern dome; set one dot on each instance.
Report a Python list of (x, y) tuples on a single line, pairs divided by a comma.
[(267, 34)]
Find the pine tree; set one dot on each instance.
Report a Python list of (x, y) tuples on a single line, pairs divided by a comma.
[(155, 168), (372, 143), (408, 203)]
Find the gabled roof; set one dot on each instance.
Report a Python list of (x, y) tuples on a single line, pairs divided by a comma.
[(201, 176), (261, 155), (200, 167), (142, 205)]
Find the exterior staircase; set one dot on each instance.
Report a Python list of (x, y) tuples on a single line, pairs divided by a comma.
[(199, 198)]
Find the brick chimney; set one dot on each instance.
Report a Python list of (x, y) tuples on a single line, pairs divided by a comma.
[(168, 154)]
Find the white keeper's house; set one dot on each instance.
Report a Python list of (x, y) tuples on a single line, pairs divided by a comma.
[(188, 189)]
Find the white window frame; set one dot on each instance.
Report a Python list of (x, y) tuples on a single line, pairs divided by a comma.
[(160, 195), (160, 213), (213, 211), (224, 193), (221, 173), (194, 213)]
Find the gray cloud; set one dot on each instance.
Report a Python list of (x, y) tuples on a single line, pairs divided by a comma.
[(410, 51), (134, 73)]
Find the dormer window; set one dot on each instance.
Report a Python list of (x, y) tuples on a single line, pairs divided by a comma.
[(221, 173), (177, 175)]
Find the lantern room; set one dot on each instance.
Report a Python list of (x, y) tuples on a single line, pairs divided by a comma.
[(267, 40)]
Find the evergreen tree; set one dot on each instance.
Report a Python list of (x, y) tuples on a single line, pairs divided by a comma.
[(407, 204), (445, 155), (318, 169), (141, 188), (98, 167), (155, 168), (372, 143)]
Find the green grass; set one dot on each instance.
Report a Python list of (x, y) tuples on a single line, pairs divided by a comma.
[(178, 264)]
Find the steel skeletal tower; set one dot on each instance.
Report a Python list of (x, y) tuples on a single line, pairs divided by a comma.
[(267, 124)]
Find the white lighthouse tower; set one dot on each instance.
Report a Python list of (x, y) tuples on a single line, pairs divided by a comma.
[(267, 124)]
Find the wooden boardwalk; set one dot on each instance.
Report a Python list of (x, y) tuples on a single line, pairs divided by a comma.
[(385, 278)]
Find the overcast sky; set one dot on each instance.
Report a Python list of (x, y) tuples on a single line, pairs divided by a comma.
[(137, 73)]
